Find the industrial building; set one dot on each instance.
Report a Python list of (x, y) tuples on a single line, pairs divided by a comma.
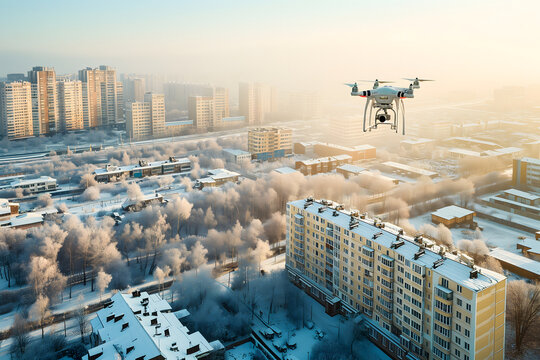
[(517, 264), (269, 143), (407, 170), (321, 165), (348, 170), (453, 215), (140, 326), (143, 169), (418, 301), (517, 201), (358, 152)]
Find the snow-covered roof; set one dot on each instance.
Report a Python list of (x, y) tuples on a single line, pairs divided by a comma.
[(217, 174), (234, 118), (451, 267), (417, 141), (522, 194), (179, 123), (143, 198), (410, 169), (121, 169), (129, 327), (285, 170), (41, 179), (346, 148), (465, 152), (474, 141), (351, 168), (236, 152), (451, 212), (25, 220), (516, 260), (325, 159), (532, 245)]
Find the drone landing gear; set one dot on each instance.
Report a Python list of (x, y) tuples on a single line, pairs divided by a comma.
[(382, 117)]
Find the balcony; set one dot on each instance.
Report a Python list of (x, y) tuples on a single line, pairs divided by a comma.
[(444, 293)]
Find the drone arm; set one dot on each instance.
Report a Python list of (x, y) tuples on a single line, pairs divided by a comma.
[(365, 112)]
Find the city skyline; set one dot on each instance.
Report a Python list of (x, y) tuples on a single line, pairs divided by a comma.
[(287, 44)]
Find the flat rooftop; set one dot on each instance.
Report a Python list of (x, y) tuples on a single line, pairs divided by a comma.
[(410, 169), (516, 260), (451, 267), (522, 194), (126, 168), (452, 212), (236, 152)]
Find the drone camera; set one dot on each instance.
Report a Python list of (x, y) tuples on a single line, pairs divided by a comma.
[(383, 117)]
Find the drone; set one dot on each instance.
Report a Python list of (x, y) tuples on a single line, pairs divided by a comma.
[(383, 99)]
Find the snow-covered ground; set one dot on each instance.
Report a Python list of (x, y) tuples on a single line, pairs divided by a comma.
[(494, 234)]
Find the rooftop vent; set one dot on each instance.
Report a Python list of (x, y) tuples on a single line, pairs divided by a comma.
[(153, 321), (125, 326), (172, 159), (418, 239), (377, 235), (321, 209), (400, 232), (340, 207), (110, 317), (118, 318), (136, 293), (335, 213), (399, 242), (419, 253), (473, 274), (438, 263)]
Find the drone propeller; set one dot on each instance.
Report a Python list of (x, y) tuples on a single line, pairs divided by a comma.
[(380, 81), (417, 79), (349, 85)]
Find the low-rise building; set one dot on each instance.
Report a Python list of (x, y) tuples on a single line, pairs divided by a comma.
[(453, 215), (143, 169), (408, 171), (530, 247), (321, 165), (237, 156), (179, 127), (348, 170), (417, 145), (140, 326), (517, 264), (517, 201), (358, 152), (285, 170), (142, 202), (8, 209), (217, 177), (43, 183)]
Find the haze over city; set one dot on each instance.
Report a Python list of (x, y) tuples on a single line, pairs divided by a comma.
[(265, 180)]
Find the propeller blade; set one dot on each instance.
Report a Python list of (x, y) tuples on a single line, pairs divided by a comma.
[(417, 79), (349, 85), (380, 81)]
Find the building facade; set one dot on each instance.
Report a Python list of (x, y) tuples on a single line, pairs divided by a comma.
[(418, 301), (256, 101), (221, 105), (44, 100), (146, 119), (100, 93), (16, 110), (526, 173), (70, 105), (268, 143), (201, 111)]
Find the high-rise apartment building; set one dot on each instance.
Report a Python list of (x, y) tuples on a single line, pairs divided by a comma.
[(268, 143), (221, 105), (70, 105), (44, 100), (201, 111), (177, 94), (146, 119), (16, 110), (100, 96), (526, 173), (256, 101), (417, 300)]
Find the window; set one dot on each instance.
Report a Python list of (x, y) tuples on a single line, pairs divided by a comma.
[(458, 314), (458, 327), (458, 340), (467, 346), (467, 333), (444, 283), (469, 307), (459, 288), (457, 352), (459, 302), (467, 319)]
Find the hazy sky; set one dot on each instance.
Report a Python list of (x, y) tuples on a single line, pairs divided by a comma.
[(315, 43)]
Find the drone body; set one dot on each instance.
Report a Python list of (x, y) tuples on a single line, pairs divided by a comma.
[(383, 99)]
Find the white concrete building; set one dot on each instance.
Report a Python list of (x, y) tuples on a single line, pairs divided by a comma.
[(43, 183), (141, 326), (237, 156), (70, 105), (146, 119)]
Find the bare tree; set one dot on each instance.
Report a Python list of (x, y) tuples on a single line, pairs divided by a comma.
[(19, 333), (160, 275), (81, 317), (523, 310), (39, 312), (197, 256)]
